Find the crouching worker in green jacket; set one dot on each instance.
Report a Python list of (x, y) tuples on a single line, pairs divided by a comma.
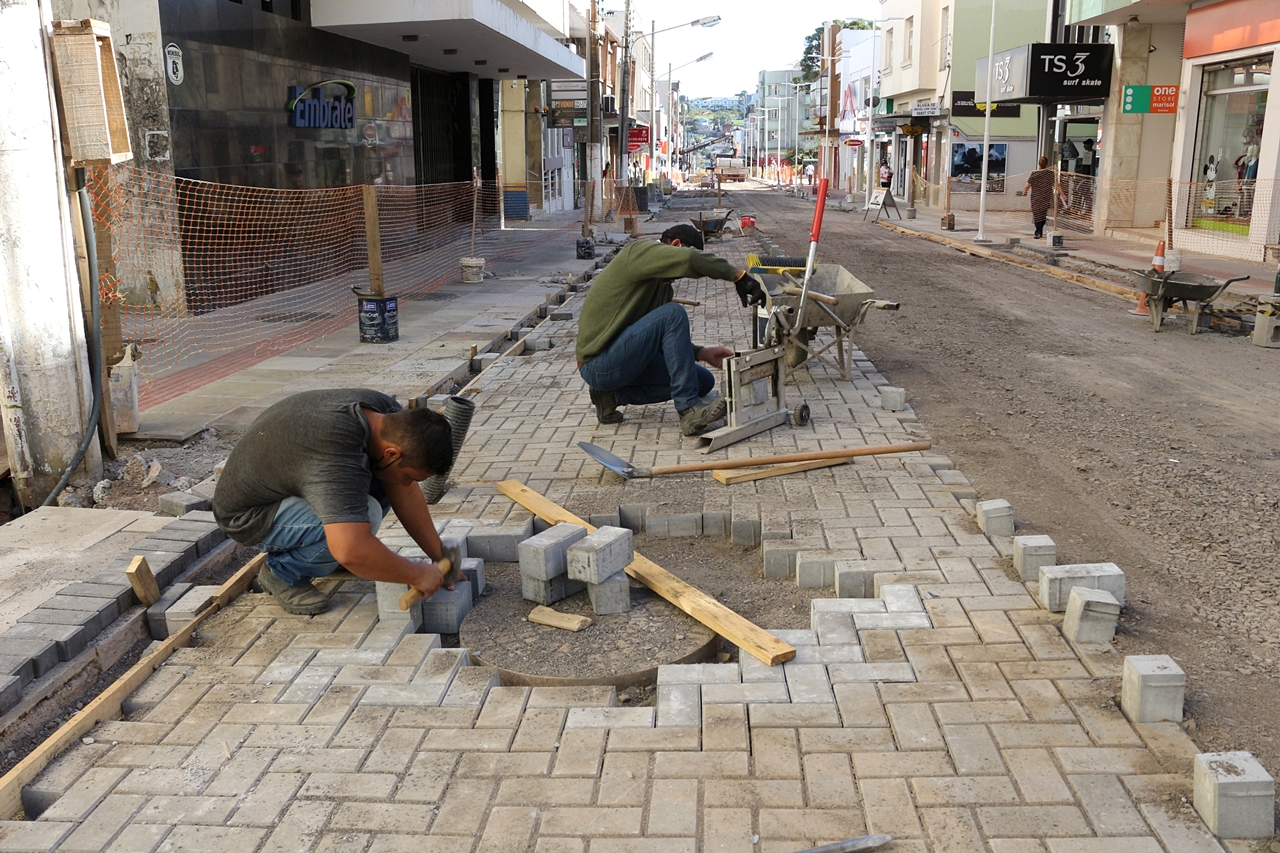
[(634, 345)]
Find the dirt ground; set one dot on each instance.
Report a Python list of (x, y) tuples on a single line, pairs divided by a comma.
[(1157, 452)]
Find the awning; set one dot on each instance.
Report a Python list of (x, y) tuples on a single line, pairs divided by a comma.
[(1048, 74)]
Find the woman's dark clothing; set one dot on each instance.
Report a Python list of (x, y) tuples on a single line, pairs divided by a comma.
[(1041, 183)]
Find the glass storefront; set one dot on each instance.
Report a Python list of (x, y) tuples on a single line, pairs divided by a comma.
[(1232, 110)]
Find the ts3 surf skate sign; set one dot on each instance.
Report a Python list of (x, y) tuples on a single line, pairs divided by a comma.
[(1048, 73)]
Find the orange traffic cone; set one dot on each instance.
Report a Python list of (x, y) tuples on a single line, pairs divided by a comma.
[(1157, 264)]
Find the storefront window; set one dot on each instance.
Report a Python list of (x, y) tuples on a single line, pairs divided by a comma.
[(1232, 110)]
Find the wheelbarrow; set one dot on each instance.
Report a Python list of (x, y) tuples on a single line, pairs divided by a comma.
[(1195, 291), (713, 226)]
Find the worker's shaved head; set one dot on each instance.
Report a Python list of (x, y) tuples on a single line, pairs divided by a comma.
[(686, 234)]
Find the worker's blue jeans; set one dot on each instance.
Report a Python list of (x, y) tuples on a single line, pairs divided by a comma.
[(295, 545), (651, 361)]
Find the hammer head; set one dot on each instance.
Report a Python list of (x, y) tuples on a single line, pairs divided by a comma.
[(451, 549)]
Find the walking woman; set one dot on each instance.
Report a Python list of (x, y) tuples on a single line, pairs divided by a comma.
[(1041, 186)]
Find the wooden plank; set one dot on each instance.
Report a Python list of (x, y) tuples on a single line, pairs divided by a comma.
[(741, 475), (143, 581), (746, 635), (107, 705), (373, 240), (555, 619)]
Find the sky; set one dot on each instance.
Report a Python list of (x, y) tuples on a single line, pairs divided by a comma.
[(753, 36)]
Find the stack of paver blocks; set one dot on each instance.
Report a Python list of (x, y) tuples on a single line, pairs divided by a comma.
[(600, 561), (444, 611), (544, 564)]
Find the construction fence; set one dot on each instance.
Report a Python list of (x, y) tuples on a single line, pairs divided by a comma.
[(190, 269)]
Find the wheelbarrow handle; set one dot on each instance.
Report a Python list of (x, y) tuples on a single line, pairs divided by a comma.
[(1234, 280)]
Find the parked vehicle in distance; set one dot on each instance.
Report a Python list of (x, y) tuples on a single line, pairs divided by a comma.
[(731, 169)]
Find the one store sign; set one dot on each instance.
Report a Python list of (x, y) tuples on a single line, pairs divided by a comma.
[(335, 113), (1150, 99)]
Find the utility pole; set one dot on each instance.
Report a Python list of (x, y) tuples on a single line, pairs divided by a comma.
[(594, 159), (624, 111), (44, 384), (653, 100)]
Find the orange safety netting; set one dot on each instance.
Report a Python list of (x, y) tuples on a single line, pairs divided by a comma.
[(190, 270)]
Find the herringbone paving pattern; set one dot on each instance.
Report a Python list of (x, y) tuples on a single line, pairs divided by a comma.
[(946, 710)]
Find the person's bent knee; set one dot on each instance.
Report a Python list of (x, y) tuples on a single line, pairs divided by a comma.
[(376, 514)]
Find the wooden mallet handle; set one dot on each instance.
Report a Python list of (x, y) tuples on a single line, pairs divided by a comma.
[(816, 297), (412, 594)]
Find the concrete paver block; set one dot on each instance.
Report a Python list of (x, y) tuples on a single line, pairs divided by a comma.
[(105, 609), (181, 503), (549, 592), (892, 399), (19, 667), (194, 602), (70, 639), (816, 569), (1056, 582), (995, 518), (780, 556), (612, 595), (389, 611), (156, 621), (473, 571), (1091, 616), (443, 612), (1152, 689), (596, 558), (1234, 795), (1030, 553), (544, 556), (121, 592), (42, 653), (499, 543), (88, 620), (10, 692)]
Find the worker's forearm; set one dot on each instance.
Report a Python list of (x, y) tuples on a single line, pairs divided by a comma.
[(372, 560), (411, 508)]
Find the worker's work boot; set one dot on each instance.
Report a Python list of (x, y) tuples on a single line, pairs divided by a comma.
[(606, 407), (300, 599), (699, 416)]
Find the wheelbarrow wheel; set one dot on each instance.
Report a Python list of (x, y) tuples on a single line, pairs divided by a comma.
[(801, 415)]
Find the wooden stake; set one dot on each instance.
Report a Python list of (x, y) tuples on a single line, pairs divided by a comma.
[(555, 619), (373, 240), (729, 477), (107, 705), (143, 581), (746, 635)]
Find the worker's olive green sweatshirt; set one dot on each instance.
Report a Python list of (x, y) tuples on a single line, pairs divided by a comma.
[(635, 282)]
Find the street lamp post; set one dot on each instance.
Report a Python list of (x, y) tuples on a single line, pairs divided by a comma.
[(670, 71), (778, 123), (709, 21), (986, 130)]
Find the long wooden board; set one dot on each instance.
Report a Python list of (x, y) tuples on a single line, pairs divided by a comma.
[(746, 635), (107, 705), (746, 475)]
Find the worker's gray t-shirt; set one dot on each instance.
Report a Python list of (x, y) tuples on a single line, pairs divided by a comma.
[(313, 445)]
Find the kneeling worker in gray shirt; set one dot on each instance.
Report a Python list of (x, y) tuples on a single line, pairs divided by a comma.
[(312, 479)]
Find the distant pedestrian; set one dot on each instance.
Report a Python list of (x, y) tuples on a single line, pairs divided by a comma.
[(886, 173), (1042, 187), (808, 174)]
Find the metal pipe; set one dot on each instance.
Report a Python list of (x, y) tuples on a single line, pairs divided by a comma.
[(986, 129)]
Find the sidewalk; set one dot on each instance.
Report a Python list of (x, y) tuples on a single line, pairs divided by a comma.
[(943, 706)]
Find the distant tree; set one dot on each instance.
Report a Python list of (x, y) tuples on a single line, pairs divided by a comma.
[(810, 60)]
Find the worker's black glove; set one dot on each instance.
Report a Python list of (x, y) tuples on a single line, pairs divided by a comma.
[(750, 290)]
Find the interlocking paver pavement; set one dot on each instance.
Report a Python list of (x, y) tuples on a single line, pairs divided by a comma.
[(950, 712)]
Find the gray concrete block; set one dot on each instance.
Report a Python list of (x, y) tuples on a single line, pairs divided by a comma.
[(612, 519), (443, 612), (995, 518), (1234, 795), (892, 399), (42, 652), (1091, 616), (473, 570), (186, 551), (182, 503), (900, 598), (549, 592), (816, 569), (10, 692), (856, 578), (484, 360), (17, 666), (544, 556), (611, 595), (780, 556), (501, 543), (200, 515), (106, 609), (205, 488), (1152, 689), (89, 620), (715, 524), (684, 525), (156, 622), (389, 612), (1056, 582), (1031, 553), (69, 639), (184, 611), (745, 527), (632, 516), (121, 592), (600, 555)]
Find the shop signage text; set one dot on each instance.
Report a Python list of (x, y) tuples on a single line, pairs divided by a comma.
[(173, 64), (964, 106), (637, 138), (1048, 73), (1150, 99), (315, 111), (926, 108)]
